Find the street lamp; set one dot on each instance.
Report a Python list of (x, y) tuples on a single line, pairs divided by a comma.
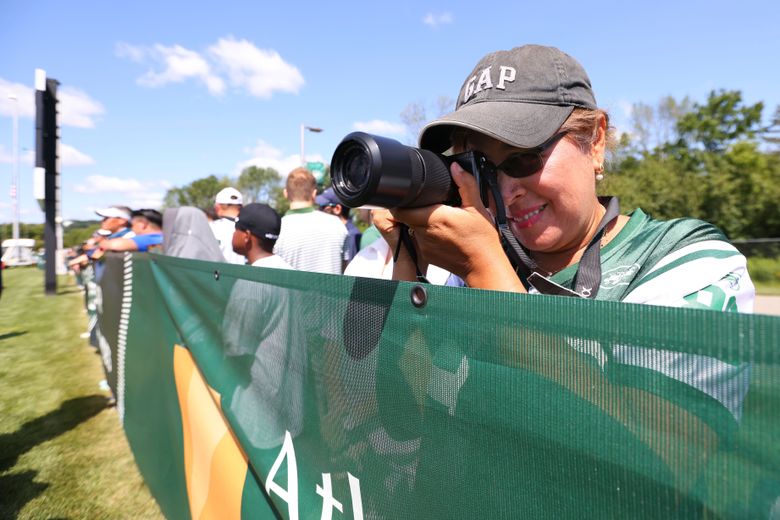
[(15, 176), (303, 130)]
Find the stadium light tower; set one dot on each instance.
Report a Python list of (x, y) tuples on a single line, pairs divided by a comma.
[(303, 131)]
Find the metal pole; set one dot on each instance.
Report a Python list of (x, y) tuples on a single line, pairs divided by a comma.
[(310, 129), (15, 176)]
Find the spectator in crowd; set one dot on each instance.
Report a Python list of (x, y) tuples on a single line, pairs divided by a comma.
[(329, 203), (309, 240), (264, 346), (116, 219), (257, 229), (147, 226), (115, 224), (186, 234), (227, 204), (532, 112)]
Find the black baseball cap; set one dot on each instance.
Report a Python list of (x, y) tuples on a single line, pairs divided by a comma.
[(259, 219), (520, 97)]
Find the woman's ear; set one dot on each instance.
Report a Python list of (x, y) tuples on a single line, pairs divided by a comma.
[(599, 146)]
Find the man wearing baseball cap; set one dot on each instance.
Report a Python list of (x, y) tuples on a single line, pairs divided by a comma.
[(227, 204), (257, 228), (116, 219), (115, 224)]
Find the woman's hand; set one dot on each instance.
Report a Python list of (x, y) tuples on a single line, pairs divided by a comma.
[(462, 240), (404, 267)]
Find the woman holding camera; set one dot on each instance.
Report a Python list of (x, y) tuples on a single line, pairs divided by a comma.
[(531, 111)]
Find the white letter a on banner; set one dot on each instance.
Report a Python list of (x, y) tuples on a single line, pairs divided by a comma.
[(289, 495)]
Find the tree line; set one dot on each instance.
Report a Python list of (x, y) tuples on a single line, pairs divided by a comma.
[(713, 160), (255, 184)]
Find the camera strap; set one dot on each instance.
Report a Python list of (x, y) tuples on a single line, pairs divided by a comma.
[(405, 238), (588, 276)]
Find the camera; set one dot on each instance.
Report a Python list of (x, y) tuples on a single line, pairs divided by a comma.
[(377, 171)]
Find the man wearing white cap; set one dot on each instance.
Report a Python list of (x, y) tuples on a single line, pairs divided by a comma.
[(227, 204), (116, 219), (115, 224)]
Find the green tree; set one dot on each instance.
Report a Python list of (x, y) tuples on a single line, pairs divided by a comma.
[(652, 126), (711, 167), (722, 121), (78, 232), (199, 193), (259, 184)]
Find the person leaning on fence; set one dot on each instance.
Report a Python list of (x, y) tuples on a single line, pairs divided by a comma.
[(532, 112), (147, 226)]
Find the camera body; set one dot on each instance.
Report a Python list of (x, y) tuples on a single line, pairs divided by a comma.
[(370, 170)]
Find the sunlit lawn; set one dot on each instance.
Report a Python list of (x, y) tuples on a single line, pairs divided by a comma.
[(63, 453)]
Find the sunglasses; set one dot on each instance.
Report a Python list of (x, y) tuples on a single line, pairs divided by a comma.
[(528, 162)]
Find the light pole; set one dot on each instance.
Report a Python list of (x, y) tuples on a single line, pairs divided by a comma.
[(15, 176), (303, 130)]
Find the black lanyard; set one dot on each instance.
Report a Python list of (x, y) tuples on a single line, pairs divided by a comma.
[(588, 276)]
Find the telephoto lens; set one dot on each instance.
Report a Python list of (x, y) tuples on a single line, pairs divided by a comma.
[(369, 170)]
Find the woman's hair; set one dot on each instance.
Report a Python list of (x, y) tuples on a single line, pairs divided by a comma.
[(582, 127)]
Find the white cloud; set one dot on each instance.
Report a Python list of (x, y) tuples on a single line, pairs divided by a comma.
[(239, 63), (105, 184), (260, 71), (436, 19), (75, 107), (377, 126), (25, 158), (130, 192), (25, 99), (264, 155), (131, 52), (175, 64), (70, 156)]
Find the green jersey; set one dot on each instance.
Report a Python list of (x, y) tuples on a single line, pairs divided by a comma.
[(676, 263)]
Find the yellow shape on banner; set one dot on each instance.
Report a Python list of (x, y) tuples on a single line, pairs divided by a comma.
[(215, 466)]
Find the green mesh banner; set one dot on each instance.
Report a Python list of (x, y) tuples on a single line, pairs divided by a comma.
[(261, 393)]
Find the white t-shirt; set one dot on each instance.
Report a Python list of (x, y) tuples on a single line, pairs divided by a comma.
[(275, 261), (376, 261), (223, 229)]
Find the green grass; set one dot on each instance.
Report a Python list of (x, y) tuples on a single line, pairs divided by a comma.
[(765, 273), (63, 453)]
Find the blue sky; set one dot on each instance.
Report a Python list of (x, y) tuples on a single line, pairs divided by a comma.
[(158, 94)]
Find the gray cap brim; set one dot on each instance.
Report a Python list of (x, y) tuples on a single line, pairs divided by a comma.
[(522, 125)]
